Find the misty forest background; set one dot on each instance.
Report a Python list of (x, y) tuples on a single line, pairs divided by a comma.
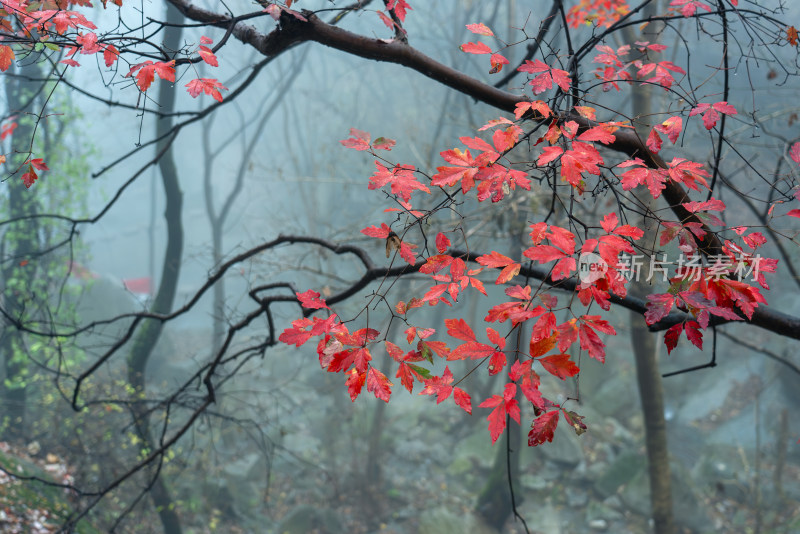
[(283, 449)]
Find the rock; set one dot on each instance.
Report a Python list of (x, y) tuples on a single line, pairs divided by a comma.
[(533, 482), (566, 448), (542, 516), (627, 465), (605, 510), (443, 520), (617, 397), (598, 524), (687, 503), (575, 497), (306, 518)]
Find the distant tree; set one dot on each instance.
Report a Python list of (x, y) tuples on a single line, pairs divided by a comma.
[(723, 226)]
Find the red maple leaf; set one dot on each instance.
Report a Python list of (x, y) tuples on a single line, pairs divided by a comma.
[(378, 384), (481, 29), (658, 307), (442, 388), (310, 299), (711, 112), (543, 428), (528, 380), (208, 56), (146, 72), (209, 86), (400, 7), (475, 48), (496, 260), (29, 177), (401, 178), (546, 75), (689, 7), (505, 405), (559, 365), (355, 381), (381, 233), (6, 57)]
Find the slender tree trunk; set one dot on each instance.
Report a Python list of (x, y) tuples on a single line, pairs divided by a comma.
[(643, 341), (19, 241), (150, 331), (655, 428)]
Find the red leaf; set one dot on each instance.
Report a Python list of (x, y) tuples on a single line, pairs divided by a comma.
[(654, 141), (386, 20), (694, 334), (495, 338), (494, 260), (601, 133), (671, 128), (310, 299), (559, 365), (473, 350), (503, 406), (497, 363), (480, 28), (39, 164), (543, 428), (672, 335), (29, 177), (400, 7), (475, 48), (406, 375), (439, 347), (794, 152), (587, 112), (462, 400), (208, 56), (537, 105), (658, 307), (6, 57), (540, 347), (359, 140), (590, 341), (374, 231), (724, 107), (146, 71), (401, 178), (551, 153), (378, 384), (439, 386), (209, 86), (407, 253), (110, 55), (497, 61), (354, 383), (459, 329), (7, 129), (442, 243)]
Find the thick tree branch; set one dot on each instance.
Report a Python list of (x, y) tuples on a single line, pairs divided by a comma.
[(293, 30)]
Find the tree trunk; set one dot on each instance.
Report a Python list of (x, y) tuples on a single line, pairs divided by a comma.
[(643, 341), (150, 331), (19, 242)]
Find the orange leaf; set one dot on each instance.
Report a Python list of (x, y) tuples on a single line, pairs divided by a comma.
[(6, 57), (791, 36), (543, 346)]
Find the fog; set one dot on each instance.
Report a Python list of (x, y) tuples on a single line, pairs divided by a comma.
[(223, 429)]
